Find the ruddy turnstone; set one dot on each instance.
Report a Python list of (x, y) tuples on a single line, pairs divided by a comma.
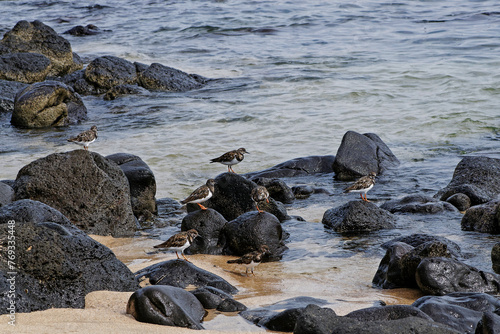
[(362, 185), (85, 138), (231, 158), (201, 194), (259, 194), (252, 259), (179, 242)]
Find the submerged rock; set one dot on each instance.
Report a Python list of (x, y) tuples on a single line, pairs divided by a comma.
[(359, 155), (88, 30), (476, 177), (358, 216), (164, 78), (460, 201), (70, 181), (166, 305), (56, 263), (8, 91), (417, 204), (126, 89), (297, 167), (417, 239), (48, 103)]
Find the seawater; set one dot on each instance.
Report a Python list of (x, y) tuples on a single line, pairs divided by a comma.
[(291, 78)]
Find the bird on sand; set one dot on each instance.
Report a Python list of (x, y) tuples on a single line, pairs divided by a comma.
[(179, 242), (201, 194), (252, 259), (362, 185), (231, 158), (259, 194), (85, 138)]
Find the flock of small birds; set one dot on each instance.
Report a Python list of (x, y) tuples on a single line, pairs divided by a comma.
[(180, 241)]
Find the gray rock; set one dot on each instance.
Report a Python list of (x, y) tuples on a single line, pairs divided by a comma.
[(358, 216), (483, 218), (142, 184), (36, 37), (489, 323), (417, 239), (303, 166), (166, 305), (8, 91), (6, 194), (24, 67), (495, 257), (209, 224), (476, 177), (231, 305), (48, 103), (389, 312), (56, 263), (126, 89), (460, 201), (302, 191), (358, 155), (70, 181), (440, 276), (109, 71), (88, 30), (210, 297), (277, 189), (417, 204), (164, 78)]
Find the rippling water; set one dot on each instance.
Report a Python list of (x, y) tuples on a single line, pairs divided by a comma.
[(293, 78)]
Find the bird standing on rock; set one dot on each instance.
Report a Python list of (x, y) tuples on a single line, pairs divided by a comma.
[(231, 158), (252, 259), (201, 194), (259, 194), (85, 138), (179, 242), (362, 185)]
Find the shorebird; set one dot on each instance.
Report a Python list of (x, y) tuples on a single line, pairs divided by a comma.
[(259, 194), (201, 194), (362, 185), (231, 158), (252, 259), (179, 242), (85, 138)]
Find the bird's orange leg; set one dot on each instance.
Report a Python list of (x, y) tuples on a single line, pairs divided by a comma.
[(177, 255), (201, 206), (260, 211), (185, 258)]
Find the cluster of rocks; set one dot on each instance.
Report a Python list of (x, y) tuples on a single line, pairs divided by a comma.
[(42, 78)]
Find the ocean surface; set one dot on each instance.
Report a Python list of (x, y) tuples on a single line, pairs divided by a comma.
[(292, 78)]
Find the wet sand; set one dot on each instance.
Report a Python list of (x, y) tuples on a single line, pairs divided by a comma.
[(273, 282)]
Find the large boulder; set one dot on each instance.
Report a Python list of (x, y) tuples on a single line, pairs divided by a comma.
[(36, 37), (109, 71), (418, 239), (55, 263), (417, 204), (48, 103), (166, 305), (142, 184), (89, 189), (361, 154), (358, 216), (303, 166), (250, 231), (461, 311), (483, 218), (24, 67), (476, 177), (181, 274), (209, 224), (440, 276), (6, 194), (164, 78), (8, 91)]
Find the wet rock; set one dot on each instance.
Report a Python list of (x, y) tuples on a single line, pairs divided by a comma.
[(142, 184), (483, 218), (36, 37), (250, 231), (297, 167), (398, 267), (302, 191), (166, 305), (231, 305), (476, 177), (83, 87), (390, 312), (24, 67), (180, 273), (284, 321), (209, 224), (417, 204), (70, 181), (109, 71), (164, 78), (461, 311), (495, 257), (277, 189), (489, 324), (232, 198), (8, 91), (210, 297), (88, 30), (56, 263), (417, 239), (360, 154), (358, 216), (126, 89), (48, 103), (460, 201), (315, 320), (440, 276), (6, 194)]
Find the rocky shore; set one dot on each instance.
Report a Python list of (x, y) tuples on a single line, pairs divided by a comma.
[(57, 201)]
